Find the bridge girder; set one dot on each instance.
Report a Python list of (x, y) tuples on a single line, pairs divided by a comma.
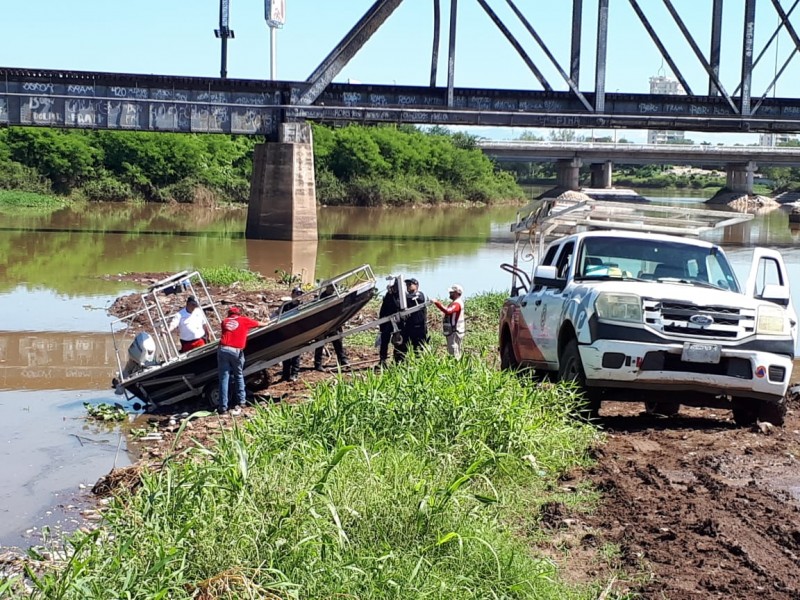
[(256, 107)]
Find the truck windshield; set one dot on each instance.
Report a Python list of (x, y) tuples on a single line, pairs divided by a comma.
[(656, 260)]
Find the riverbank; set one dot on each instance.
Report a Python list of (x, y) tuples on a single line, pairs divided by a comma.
[(435, 467)]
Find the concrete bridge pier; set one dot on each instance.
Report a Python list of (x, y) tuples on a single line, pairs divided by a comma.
[(283, 198), (740, 177), (568, 173), (601, 174)]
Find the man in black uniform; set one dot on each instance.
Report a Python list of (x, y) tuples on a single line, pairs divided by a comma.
[(415, 325), (389, 306), (338, 346), (291, 367)]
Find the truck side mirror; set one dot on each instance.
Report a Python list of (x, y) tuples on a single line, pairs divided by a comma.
[(547, 276)]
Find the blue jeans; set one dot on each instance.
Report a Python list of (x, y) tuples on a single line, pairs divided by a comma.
[(230, 362)]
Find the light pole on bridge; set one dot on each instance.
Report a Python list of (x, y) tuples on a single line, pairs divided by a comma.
[(223, 33), (275, 13)]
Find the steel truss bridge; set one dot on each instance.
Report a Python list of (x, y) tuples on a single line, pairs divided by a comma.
[(255, 107)]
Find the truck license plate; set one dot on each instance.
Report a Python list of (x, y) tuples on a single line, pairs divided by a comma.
[(700, 353)]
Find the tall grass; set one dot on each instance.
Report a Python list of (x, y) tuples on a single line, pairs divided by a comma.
[(228, 276), (421, 481)]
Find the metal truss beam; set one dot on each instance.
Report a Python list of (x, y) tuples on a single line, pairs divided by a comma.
[(347, 48)]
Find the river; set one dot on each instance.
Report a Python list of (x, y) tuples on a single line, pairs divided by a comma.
[(56, 351)]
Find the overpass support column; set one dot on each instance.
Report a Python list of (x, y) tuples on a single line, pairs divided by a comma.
[(568, 173), (740, 177), (601, 174), (283, 198)]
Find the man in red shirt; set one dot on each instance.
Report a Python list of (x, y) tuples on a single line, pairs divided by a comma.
[(230, 356), (453, 323)]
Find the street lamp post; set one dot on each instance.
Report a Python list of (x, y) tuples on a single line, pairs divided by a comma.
[(223, 33), (275, 13)]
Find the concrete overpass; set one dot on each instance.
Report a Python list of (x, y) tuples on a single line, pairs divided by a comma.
[(739, 162)]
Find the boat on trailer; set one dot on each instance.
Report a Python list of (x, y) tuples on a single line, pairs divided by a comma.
[(151, 369)]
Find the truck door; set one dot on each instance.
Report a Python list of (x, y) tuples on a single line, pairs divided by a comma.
[(548, 308), (769, 280), (527, 346)]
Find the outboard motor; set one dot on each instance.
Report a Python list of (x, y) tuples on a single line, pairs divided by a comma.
[(141, 354)]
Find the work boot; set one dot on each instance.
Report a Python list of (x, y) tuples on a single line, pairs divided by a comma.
[(319, 367)]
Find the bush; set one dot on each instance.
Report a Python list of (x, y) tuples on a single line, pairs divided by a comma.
[(107, 189), (16, 176)]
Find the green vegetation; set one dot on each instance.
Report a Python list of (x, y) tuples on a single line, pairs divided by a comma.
[(366, 166), (398, 166), (423, 480), (228, 276), (105, 411)]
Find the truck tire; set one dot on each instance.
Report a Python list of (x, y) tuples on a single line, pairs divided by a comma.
[(745, 411), (508, 362), (211, 394), (773, 412), (570, 368)]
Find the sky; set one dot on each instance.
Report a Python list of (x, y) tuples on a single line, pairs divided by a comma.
[(176, 37)]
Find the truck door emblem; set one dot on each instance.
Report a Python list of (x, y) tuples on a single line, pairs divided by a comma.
[(702, 320), (544, 316)]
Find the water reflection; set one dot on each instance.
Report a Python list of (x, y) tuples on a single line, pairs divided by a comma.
[(269, 257), (52, 360)]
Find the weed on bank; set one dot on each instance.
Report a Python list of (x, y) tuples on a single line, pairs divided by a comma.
[(421, 481)]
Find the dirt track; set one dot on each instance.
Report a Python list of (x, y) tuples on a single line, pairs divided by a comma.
[(698, 506)]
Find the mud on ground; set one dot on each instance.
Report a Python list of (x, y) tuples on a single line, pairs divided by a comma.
[(695, 506)]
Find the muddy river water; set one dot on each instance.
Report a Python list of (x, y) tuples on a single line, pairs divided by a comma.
[(56, 352)]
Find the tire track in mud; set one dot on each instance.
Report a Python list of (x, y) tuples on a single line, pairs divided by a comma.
[(700, 506)]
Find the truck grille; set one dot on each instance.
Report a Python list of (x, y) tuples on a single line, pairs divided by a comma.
[(675, 317)]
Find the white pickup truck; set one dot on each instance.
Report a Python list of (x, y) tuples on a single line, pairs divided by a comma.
[(660, 319)]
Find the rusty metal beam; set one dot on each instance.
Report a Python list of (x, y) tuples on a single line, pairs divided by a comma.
[(689, 38), (451, 53), (575, 50), (355, 39), (716, 45), (570, 83), (437, 26), (659, 44), (600, 58), (517, 46), (748, 40)]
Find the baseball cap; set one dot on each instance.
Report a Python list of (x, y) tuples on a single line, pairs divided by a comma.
[(191, 299), (456, 288), (234, 310), (297, 291), (412, 280)]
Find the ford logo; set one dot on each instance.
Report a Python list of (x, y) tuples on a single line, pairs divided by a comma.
[(702, 320)]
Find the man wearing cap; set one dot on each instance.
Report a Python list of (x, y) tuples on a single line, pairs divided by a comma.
[(453, 325), (415, 325), (191, 324), (230, 356), (291, 367)]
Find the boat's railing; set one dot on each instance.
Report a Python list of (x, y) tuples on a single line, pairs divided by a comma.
[(157, 315), (336, 287)]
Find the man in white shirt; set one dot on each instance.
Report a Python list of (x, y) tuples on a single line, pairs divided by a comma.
[(192, 325)]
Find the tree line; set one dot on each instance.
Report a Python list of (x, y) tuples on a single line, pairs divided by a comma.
[(358, 165)]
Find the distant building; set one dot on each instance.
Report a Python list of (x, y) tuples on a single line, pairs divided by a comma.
[(775, 139), (665, 85)]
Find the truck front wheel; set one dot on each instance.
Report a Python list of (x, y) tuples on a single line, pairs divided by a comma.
[(773, 412), (745, 411), (570, 368)]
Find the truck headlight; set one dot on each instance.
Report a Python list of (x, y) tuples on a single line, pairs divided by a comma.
[(771, 320), (619, 307)]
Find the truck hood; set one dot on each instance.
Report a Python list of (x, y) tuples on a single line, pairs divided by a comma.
[(682, 292)]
